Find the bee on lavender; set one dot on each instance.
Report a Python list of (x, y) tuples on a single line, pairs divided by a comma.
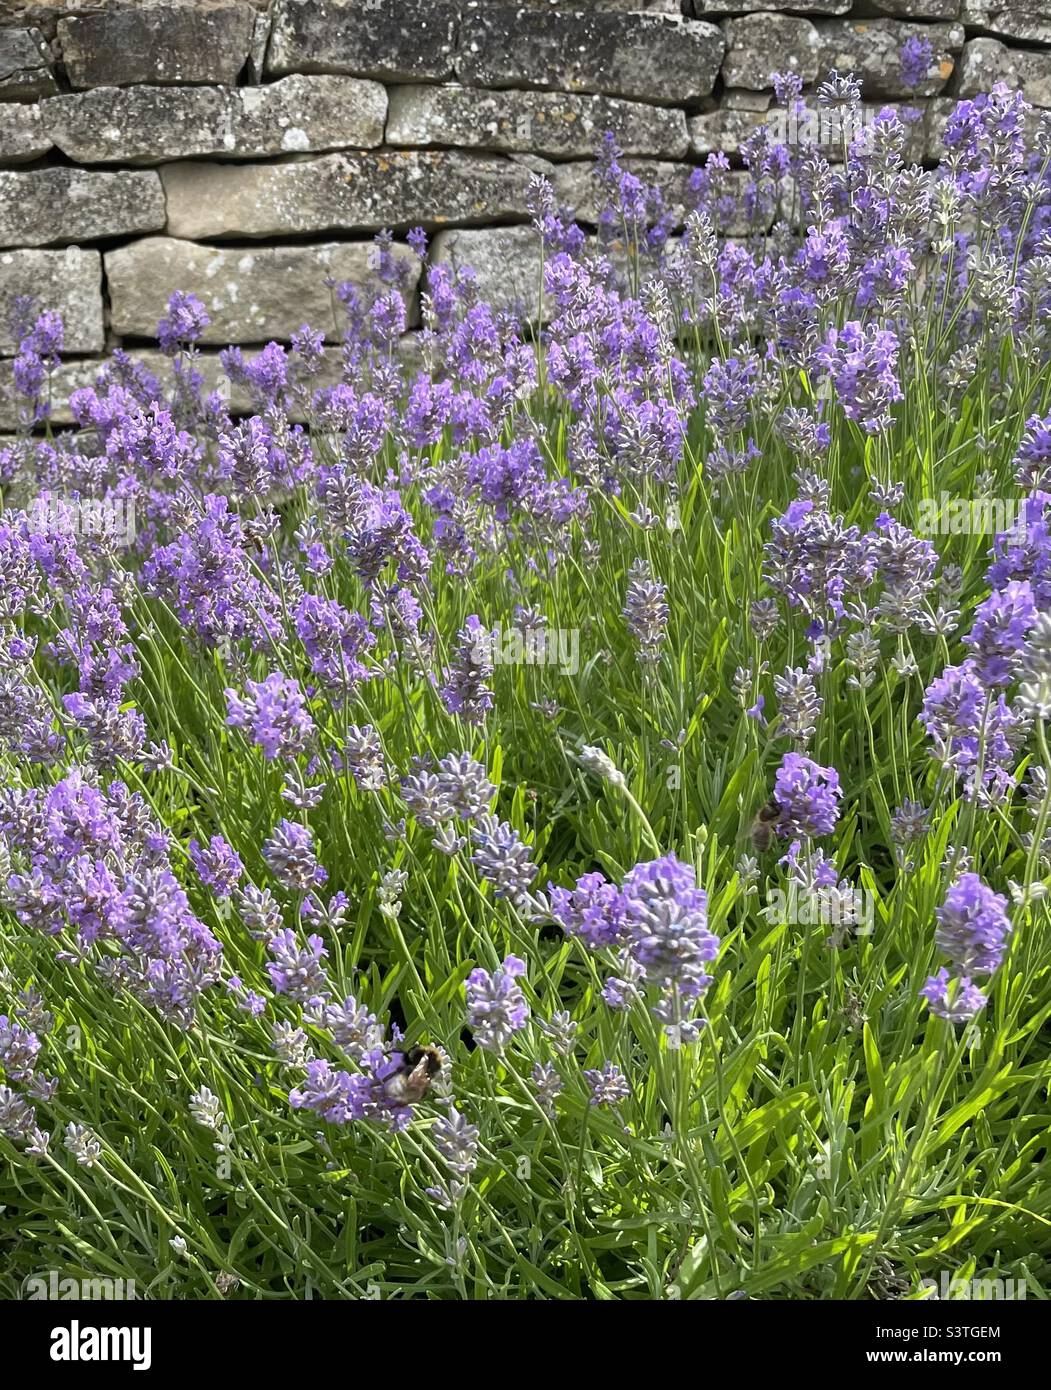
[(762, 831), (418, 1067)]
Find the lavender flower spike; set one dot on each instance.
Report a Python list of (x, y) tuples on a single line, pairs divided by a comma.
[(496, 1006)]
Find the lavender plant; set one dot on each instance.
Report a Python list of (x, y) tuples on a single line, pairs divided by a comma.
[(342, 950)]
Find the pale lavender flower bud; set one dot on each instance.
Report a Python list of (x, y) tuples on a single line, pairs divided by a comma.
[(561, 1029), (31, 1010), (623, 990), (448, 1195), (388, 895), (158, 757), (548, 1086), (83, 1144), (259, 910), (353, 1028), (206, 1109), (291, 1045), (764, 617), (600, 764), (464, 690), (646, 612), (299, 793), (425, 797), (502, 858), (363, 755), (496, 1006), (289, 853), (799, 705), (17, 1116), (38, 1143), (297, 970), (909, 823), (608, 1087), (840, 91), (466, 785), (1034, 695), (456, 1141), (446, 840), (862, 660), (956, 1000), (18, 1050)]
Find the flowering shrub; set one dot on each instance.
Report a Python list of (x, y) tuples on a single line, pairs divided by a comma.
[(340, 948)]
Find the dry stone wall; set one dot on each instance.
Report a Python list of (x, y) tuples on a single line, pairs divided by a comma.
[(247, 150)]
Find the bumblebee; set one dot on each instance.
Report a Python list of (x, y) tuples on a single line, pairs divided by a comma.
[(418, 1068), (763, 825)]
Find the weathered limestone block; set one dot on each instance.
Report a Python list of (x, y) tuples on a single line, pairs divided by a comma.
[(252, 295), (705, 8), (136, 125), (1025, 21), (725, 129), (650, 57), (918, 9), (260, 41), (69, 281), (506, 262), (758, 45), (23, 135), (310, 113), (871, 50), (554, 124), (351, 192), (42, 206), (987, 61), (674, 7), (45, 14), (740, 99), (392, 40), (148, 125), (302, 113), (208, 41), (25, 69)]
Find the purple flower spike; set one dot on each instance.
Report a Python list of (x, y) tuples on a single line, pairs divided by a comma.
[(183, 324), (274, 713), (218, 866), (593, 910), (667, 916), (807, 795), (956, 1000), (973, 926), (917, 58)]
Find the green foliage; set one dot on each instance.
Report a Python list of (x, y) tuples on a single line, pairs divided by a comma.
[(825, 1138)]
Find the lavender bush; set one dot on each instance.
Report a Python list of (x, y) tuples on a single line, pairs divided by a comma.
[(730, 940)]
